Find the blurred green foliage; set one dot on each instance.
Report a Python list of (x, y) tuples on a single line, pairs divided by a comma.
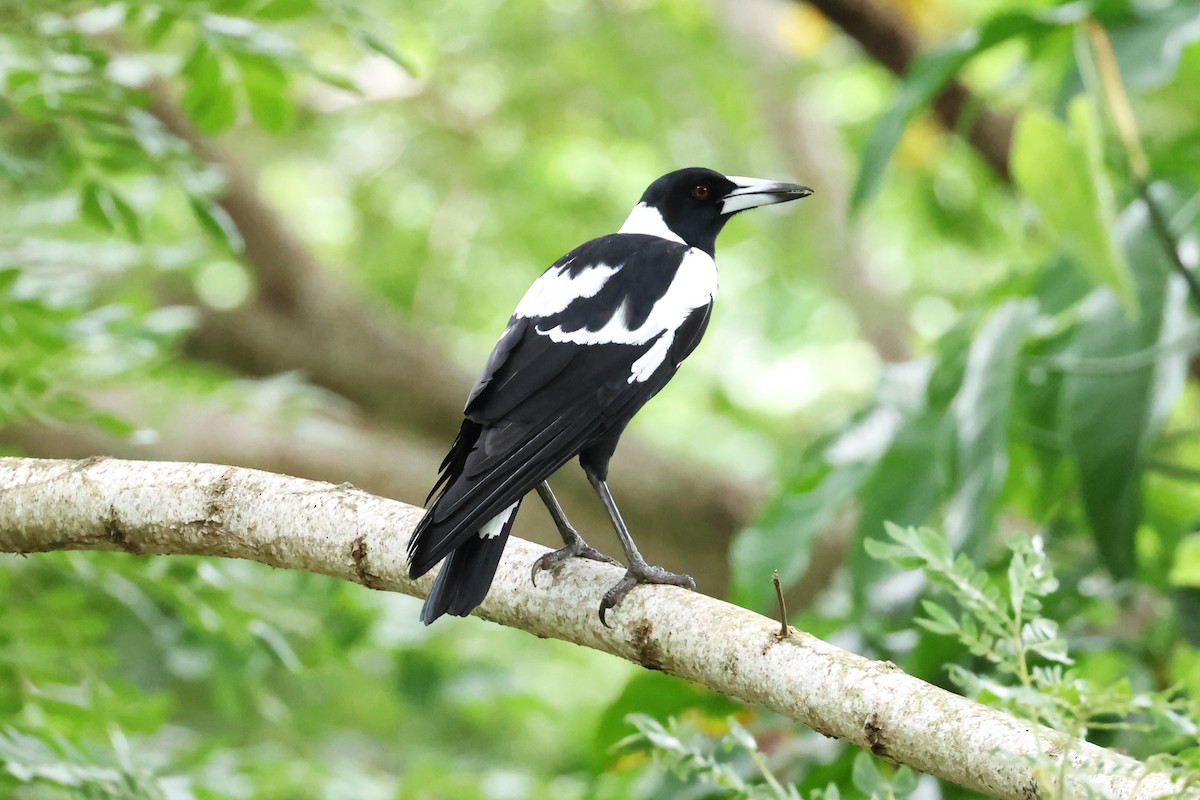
[(439, 155)]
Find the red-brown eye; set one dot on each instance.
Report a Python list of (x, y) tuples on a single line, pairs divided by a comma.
[(701, 192)]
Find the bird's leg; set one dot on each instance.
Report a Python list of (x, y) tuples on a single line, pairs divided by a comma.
[(575, 547), (639, 571)]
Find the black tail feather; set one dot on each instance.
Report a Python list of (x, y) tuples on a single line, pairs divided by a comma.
[(466, 575), (473, 495)]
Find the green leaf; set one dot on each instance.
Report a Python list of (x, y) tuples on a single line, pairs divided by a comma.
[(384, 48), (904, 782), (336, 80), (1060, 172), (218, 223), (95, 204), (201, 66), (1111, 415), (104, 207), (28, 94), (866, 776), (127, 215), (657, 695), (8, 277), (895, 553), (38, 762), (160, 25), (111, 423), (982, 410), (938, 620), (1149, 50), (209, 98), (905, 489), (1149, 45), (286, 9), (1187, 610), (1185, 571), (929, 544), (743, 737), (927, 75), (266, 88), (914, 548)]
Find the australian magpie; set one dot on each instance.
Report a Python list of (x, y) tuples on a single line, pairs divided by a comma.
[(595, 337)]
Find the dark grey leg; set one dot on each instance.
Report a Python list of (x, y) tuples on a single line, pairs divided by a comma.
[(639, 571), (575, 547)]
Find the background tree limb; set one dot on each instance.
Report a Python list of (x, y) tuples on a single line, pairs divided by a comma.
[(889, 42), (173, 508)]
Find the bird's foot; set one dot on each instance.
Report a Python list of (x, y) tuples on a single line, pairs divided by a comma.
[(576, 547), (640, 572)]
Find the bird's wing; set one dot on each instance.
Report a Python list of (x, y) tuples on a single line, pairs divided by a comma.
[(609, 310), (594, 337)]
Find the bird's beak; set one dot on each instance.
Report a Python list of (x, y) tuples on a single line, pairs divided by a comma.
[(754, 192)]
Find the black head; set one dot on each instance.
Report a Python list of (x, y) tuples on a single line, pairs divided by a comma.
[(694, 204)]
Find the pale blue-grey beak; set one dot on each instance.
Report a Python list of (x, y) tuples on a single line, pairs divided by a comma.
[(754, 192)]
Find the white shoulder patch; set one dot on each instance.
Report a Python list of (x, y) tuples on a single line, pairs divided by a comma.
[(557, 288), (648, 220), (694, 286)]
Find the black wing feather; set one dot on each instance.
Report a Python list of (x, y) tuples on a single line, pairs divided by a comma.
[(466, 576), (470, 500)]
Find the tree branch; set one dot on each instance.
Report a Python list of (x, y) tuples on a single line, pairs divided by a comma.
[(172, 508), (332, 443), (302, 317), (886, 40)]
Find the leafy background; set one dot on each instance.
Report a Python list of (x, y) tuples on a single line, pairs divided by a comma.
[(218, 214)]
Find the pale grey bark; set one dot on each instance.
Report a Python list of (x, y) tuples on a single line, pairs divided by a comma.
[(328, 440), (199, 509)]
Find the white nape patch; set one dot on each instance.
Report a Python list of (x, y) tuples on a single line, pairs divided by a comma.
[(557, 288), (694, 285), (491, 529), (649, 220)]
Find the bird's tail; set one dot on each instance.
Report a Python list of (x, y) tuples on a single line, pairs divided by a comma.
[(467, 573)]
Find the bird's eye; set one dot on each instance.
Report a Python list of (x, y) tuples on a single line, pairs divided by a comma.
[(701, 191)]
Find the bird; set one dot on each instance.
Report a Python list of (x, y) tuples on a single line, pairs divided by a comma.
[(598, 334)]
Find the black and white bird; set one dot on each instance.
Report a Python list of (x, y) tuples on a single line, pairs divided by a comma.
[(595, 337)]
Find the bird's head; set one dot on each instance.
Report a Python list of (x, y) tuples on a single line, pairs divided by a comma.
[(692, 205)]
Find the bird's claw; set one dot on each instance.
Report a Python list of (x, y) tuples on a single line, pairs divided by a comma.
[(577, 548), (640, 573)]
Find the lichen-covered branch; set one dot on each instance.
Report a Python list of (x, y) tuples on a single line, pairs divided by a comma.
[(156, 508), (332, 441)]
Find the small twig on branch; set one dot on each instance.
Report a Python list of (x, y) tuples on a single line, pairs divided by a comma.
[(160, 508), (784, 629)]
